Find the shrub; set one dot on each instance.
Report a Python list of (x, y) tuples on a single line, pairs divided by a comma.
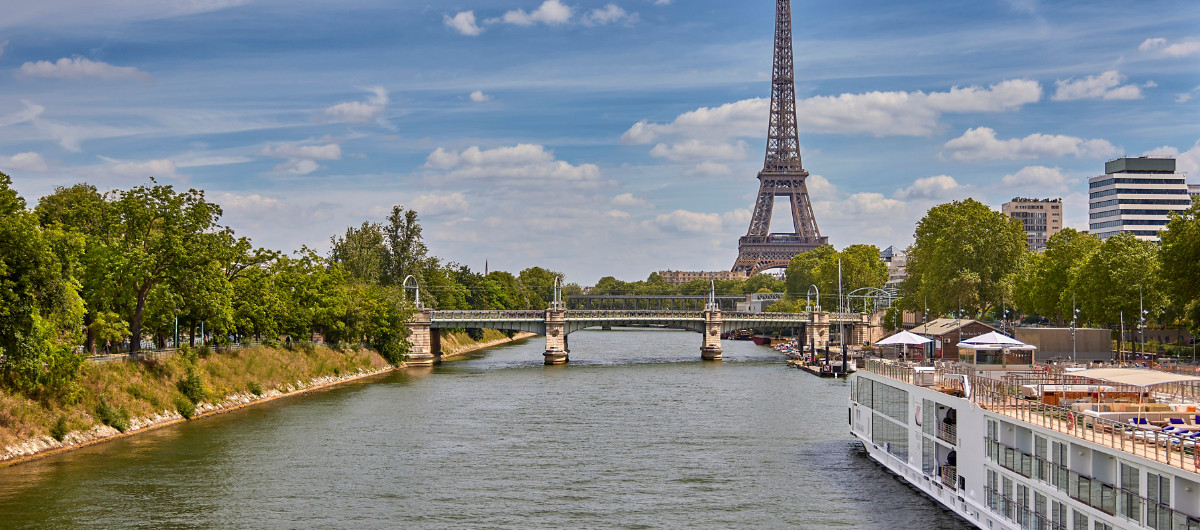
[(115, 417), (255, 388), (186, 408), (59, 430), (192, 385)]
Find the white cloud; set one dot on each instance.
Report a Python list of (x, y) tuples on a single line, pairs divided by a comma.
[(708, 169), (479, 97), (685, 221), (131, 169), (246, 202), (434, 205), (1104, 86), (731, 120), (1038, 179), (909, 113), (551, 13), (662, 2), (1187, 96), (77, 68), (627, 200), (1152, 44), (933, 188), (301, 159), (1186, 162), (609, 14), (30, 113), (463, 22), (27, 161), (877, 113), (523, 163), (981, 144), (1182, 49), (1179, 49), (359, 111), (202, 160), (694, 149), (68, 136)]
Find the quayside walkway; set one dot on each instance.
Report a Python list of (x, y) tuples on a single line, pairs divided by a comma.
[(1009, 395)]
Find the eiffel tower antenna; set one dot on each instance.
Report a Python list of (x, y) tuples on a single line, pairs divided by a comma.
[(783, 173)]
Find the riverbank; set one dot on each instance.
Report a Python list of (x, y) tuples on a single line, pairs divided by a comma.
[(122, 398)]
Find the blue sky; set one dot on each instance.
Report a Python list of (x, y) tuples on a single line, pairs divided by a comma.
[(591, 137)]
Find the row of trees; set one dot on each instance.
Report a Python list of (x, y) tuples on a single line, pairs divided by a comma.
[(86, 270), (973, 261)]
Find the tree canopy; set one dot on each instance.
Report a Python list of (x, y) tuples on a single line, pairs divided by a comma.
[(964, 255)]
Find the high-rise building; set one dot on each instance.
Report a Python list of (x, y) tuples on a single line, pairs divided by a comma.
[(1041, 218), (1135, 195), (1194, 190), (897, 261)]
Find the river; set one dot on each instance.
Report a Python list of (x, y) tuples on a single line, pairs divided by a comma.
[(635, 432)]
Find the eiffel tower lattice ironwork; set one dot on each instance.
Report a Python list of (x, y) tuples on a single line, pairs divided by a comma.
[(782, 175)]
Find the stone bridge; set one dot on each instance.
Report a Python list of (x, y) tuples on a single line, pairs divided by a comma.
[(558, 321)]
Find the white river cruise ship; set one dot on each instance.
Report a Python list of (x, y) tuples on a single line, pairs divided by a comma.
[(1036, 447)]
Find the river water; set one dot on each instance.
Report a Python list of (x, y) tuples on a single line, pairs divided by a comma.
[(635, 432)]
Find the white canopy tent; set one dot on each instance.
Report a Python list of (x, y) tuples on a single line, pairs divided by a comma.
[(995, 341), (904, 339)]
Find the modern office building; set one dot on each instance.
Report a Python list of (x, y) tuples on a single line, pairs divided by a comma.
[(1042, 218), (1194, 190), (1135, 195)]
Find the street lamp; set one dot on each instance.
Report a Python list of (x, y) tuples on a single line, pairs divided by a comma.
[(1074, 319)]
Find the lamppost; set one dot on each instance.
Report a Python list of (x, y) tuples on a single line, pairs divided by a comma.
[(1074, 319), (1142, 322)]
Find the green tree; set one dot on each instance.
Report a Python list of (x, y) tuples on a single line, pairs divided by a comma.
[(964, 255), (860, 267), (1109, 286), (41, 313), (362, 252), (406, 248), (1181, 263), (1044, 283), (164, 237), (761, 281), (540, 283), (82, 210), (804, 271)]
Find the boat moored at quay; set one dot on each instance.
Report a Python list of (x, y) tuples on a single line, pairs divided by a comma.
[(1006, 446)]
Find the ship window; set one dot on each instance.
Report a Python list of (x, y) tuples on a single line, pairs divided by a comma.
[(1022, 502), (1058, 514), (993, 499), (928, 459), (929, 417), (1039, 507), (1007, 495), (1129, 502), (1158, 511), (1102, 526), (1081, 521)]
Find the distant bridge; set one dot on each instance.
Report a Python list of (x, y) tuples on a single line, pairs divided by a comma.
[(557, 322)]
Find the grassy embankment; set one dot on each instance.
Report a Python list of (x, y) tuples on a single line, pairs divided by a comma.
[(122, 393)]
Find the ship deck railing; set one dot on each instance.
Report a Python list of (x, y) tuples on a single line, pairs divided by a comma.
[(1003, 396)]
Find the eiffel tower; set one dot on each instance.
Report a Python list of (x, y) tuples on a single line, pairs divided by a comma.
[(782, 174)]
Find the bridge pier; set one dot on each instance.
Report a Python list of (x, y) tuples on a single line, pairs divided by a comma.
[(556, 336), (423, 340), (820, 329), (711, 348)]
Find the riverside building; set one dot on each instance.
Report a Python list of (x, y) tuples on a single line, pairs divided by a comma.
[(1041, 218), (1135, 195)]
